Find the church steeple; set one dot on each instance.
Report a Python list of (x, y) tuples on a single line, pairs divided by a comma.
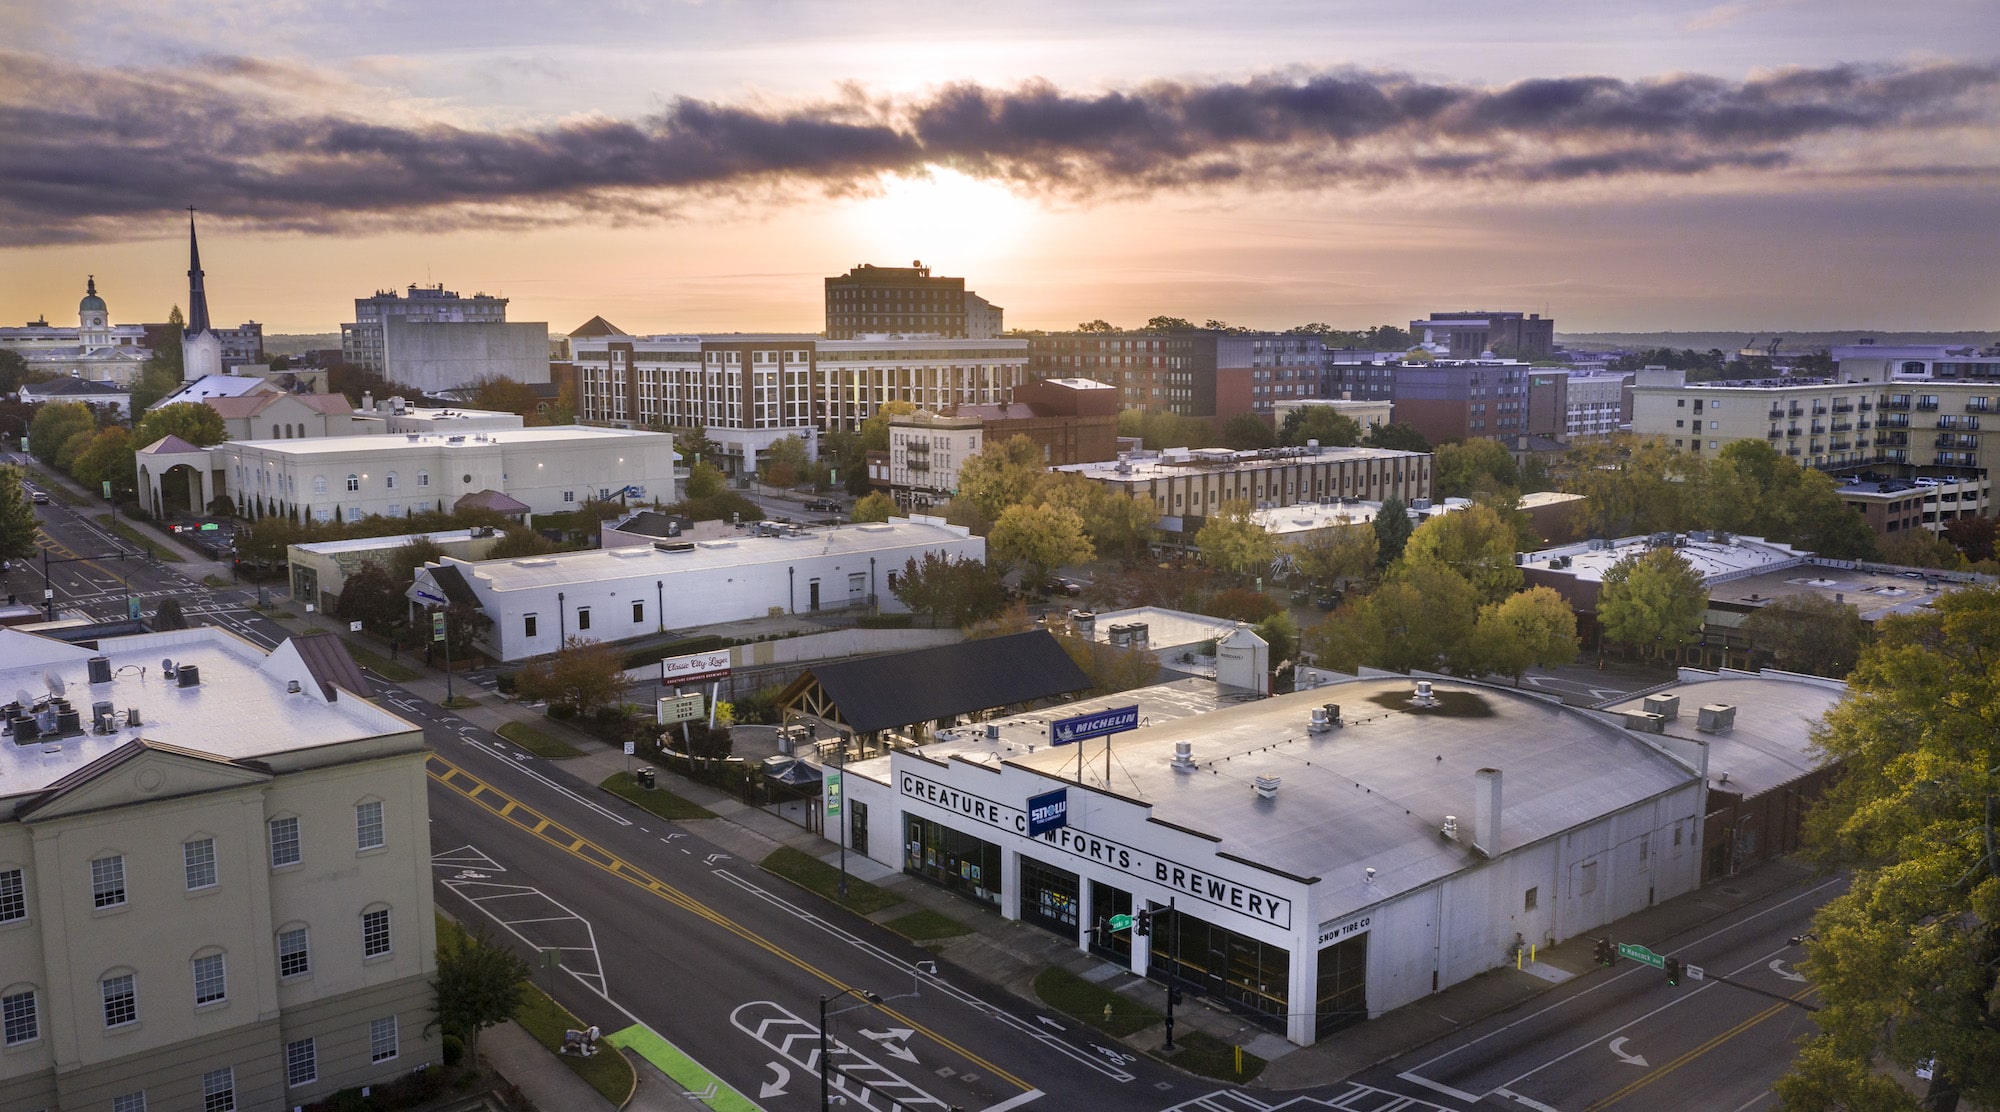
[(197, 317)]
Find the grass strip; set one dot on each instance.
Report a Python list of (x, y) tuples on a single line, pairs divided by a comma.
[(1203, 1053), (926, 926), (607, 1071), (1087, 1003), (381, 665), (661, 802), (134, 537), (537, 742), (807, 871)]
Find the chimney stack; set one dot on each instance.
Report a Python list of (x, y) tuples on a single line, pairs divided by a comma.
[(1486, 811)]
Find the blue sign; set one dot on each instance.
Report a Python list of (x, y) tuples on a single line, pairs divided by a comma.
[(1048, 811), (1083, 727)]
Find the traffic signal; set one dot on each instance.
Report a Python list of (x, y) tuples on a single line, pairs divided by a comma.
[(1673, 971), (1605, 954), (1142, 923)]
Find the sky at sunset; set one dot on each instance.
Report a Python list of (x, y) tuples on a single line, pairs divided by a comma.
[(700, 165)]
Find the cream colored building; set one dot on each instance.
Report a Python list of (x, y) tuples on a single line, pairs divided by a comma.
[(214, 880), (925, 452), (1369, 413)]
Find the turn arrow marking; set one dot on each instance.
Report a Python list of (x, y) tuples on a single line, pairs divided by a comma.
[(1778, 966), (1617, 1046), (775, 1088), (890, 1041)]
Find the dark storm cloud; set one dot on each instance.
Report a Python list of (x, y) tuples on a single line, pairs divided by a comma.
[(93, 153)]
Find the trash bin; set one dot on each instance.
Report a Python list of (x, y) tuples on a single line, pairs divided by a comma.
[(645, 777)]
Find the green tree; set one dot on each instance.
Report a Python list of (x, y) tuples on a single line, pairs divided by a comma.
[(1002, 475), (18, 527), (704, 480), (1037, 540), (1921, 548), (1247, 431), (1629, 484), (14, 372), (1281, 633), (1534, 628), (370, 596), (1323, 423), (875, 430), (1400, 436), (1809, 633), (520, 541), (1232, 541), (191, 421), (1388, 337), (480, 984), (1824, 523), (403, 561), (155, 382), (1474, 542), (1421, 618), (584, 675), (1392, 531), (784, 462), (1905, 959), (1468, 467), (953, 590), (1098, 325), (107, 458), (1169, 324), (1333, 556), (80, 439), (874, 506), (1110, 668), (1655, 601), (54, 425), (502, 394), (1120, 526)]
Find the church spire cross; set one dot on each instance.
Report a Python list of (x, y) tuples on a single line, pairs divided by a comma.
[(197, 317)]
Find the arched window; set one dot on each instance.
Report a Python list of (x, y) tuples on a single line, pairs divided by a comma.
[(1913, 368), (389, 480), (353, 482), (319, 484)]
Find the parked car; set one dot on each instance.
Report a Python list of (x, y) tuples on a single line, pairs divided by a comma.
[(823, 505), (1057, 585), (37, 495)]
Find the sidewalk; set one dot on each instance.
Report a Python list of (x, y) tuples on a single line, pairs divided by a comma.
[(1010, 954)]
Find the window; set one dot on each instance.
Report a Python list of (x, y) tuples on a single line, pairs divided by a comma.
[(423, 478), (210, 981), (582, 618), (527, 625), (13, 896), (382, 1039), (375, 933), (389, 480), (638, 611), (353, 482), (319, 484), (284, 842), (199, 858), (353, 514), (301, 1063), (1532, 898), (569, 496), (218, 1090), (19, 1022), (294, 953), (368, 825), (130, 1102), (1588, 883), (107, 881), (121, 1000)]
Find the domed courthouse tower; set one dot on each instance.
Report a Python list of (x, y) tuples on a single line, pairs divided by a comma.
[(93, 318)]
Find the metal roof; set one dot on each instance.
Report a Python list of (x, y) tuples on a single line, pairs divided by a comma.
[(899, 689)]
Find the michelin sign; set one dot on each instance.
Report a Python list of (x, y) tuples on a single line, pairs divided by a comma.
[(1083, 727)]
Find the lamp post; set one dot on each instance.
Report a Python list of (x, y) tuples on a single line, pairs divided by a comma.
[(826, 1093)]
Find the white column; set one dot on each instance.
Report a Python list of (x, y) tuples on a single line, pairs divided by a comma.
[(1086, 918), (1303, 991), (1010, 884)]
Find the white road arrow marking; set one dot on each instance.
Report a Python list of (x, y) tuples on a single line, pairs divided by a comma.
[(891, 1041), (1778, 966), (714, 857), (1617, 1046), (775, 1088), (1047, 1022)]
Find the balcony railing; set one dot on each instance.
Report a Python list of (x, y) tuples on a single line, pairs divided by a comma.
[(1842, 426), (1977, 406), (1775, 434), (1865, 407), (1895, 403), (1930, 403), (1777, 414), (1893, 439), (1794, 431), (1843, 407)]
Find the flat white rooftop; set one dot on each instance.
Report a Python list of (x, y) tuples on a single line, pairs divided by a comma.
[(241, 708), (1714, 561), (564, 569), (1177, 462), (370, 544), (376, 442)]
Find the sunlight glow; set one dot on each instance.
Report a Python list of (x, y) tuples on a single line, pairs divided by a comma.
[(954, 220)]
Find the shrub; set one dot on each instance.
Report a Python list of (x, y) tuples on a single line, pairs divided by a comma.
[(454, 1050)]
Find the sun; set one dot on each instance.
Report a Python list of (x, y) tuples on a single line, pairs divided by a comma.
[(957, 220)]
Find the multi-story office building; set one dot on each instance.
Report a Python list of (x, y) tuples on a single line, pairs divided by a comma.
[(1256, 372), (433, 339), (748, 391), (908, 299), (1596, 404), (1071, 420), (1469, 335), (1197, 373), (1454, 400), (215, 889)]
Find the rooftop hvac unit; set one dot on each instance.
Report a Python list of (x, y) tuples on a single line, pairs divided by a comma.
[(188, 675), (100, 669), (993, 731), (1267, 786), (1645, 722), (1716, 718), (1666, 706)]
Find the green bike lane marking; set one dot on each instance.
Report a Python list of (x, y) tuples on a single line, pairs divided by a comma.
[(675, 1063)]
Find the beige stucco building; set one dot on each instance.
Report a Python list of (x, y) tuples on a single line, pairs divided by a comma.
[(214, 878)]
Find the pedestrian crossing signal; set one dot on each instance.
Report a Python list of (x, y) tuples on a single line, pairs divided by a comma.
[(1605, 954), (1673, 971)]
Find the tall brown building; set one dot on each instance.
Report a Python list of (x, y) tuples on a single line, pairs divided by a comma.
[(870, 299)]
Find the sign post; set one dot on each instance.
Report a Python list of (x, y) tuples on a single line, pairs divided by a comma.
[(1083, 727)]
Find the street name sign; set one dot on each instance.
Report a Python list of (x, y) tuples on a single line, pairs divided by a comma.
[(1118, 922), (1639, 953)]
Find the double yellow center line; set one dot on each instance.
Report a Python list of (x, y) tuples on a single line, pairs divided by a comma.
[(504, 806), (1697, 1052)]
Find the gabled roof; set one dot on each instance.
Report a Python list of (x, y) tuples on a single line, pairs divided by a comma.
[(596, 326), (77, 788), (169, 445), (491, 500), (334, 404), (64, 387), (332, 666), (237, 408), (883, 692), (452, 582)]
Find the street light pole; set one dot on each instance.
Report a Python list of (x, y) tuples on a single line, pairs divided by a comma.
[(825, 1092)]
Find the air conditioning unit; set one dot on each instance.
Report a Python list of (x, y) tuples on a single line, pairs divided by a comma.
[(1645, 722)]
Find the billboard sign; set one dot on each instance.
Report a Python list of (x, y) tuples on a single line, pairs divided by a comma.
[(1048, 811), (1065, 731), (694, 667), (679, 708)]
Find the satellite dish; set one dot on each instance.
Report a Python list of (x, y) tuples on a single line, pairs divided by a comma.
[(56, 684), (167, 665), (22, 697)]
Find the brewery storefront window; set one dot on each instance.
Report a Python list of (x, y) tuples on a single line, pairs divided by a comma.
[(1106, 901), (1249, 975), (953, 859), (1048, 897)]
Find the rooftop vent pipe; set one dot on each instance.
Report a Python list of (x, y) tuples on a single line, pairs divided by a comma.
[(1183, 756), (1267, 786)]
